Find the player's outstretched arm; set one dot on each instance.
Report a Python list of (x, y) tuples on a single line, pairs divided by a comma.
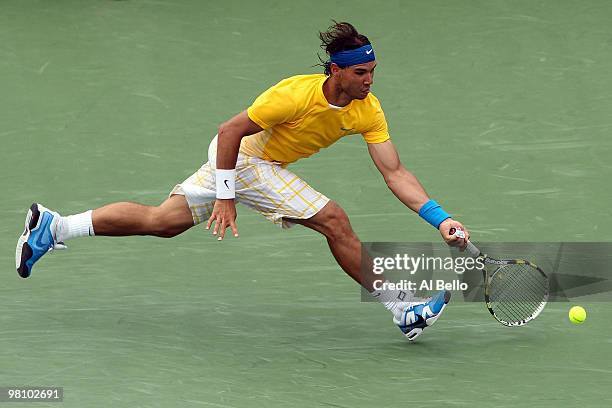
[(228, 144), (409, 190)]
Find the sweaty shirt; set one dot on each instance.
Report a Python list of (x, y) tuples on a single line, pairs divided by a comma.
[(298, 120)]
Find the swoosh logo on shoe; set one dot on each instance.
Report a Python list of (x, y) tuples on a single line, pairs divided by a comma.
[(427, 312), (369, 52), (39, 243), (411, 317)]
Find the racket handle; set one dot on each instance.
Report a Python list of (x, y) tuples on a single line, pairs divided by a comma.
[(472, 250)]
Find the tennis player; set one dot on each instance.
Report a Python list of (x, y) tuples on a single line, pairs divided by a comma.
[(248, 163)]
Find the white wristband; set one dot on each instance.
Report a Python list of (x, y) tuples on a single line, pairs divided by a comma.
[(226, 183)]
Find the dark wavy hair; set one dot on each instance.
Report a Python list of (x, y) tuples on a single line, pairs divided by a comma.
[(340, 36)]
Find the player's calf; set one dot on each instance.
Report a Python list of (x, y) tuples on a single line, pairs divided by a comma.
[(46, 230), (166, 223)]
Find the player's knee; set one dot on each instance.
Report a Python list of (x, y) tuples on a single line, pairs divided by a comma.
[(337, 224), (223, 128), (161, 224)]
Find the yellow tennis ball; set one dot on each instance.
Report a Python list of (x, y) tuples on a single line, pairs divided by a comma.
[(577, 315)]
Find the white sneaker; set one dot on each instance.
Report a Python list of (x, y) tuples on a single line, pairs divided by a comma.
[(419, 315), (37, 239)]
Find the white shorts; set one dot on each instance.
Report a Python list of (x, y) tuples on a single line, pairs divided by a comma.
[(264, 186)]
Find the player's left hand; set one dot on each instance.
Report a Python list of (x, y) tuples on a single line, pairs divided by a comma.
[(223, 216), (450, 238)]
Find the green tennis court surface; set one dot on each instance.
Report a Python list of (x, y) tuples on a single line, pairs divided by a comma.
[(501, 108)]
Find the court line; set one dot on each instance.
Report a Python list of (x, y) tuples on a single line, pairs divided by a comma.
[(210, 404), (512, 178), (36, 380), (43, 67), (152, 96)]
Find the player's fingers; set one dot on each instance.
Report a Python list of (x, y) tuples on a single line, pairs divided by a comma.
[(452, 240), (454, 232), (465, 241), (217, 225), (223, 228), (466, 236), (210, 220), (456, 241), (459, 230), (234, 228)]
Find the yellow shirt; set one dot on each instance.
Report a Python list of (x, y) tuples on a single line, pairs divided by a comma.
[(298, 121)]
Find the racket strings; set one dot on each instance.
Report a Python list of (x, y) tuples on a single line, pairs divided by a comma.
[(524, 272), (508, 307), (511, 309), (504, 300), (512, 301), (517, 292), (514, 310), (507, 289)]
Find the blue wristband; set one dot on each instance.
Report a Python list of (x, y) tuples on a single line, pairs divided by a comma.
[(433, 213)]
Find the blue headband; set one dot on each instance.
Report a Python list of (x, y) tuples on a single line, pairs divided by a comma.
[(359, 55)]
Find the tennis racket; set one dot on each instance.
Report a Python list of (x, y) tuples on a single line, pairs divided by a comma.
[(515, 290)]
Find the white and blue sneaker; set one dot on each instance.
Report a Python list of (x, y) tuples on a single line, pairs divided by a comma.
[(419, 315), (37, 239)]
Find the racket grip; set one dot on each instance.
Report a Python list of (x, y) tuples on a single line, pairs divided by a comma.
[(472, 250)]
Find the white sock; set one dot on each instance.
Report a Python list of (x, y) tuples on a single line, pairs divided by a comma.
[(394, 300), (73, 226)]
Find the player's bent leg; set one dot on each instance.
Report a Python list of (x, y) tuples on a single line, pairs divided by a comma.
[(333, 222), (344, 244), (285, 198), (412, 317)]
